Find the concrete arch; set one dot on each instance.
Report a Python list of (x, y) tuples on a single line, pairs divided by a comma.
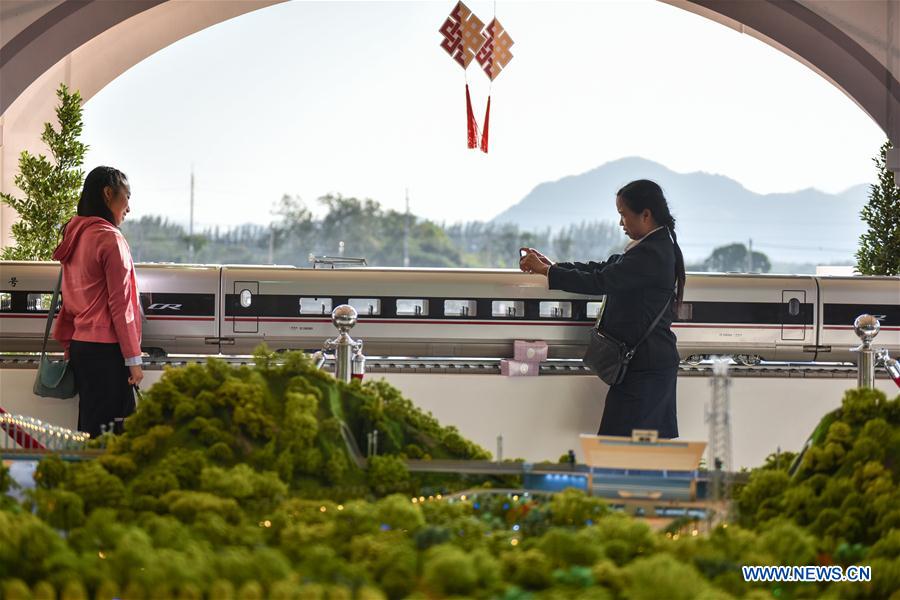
[(88, 43), (85, 44), (853, 45)]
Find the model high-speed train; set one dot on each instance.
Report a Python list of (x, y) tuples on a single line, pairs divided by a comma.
[(210, 309)]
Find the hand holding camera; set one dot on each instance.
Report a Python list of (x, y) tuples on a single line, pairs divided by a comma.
[(533, 261)]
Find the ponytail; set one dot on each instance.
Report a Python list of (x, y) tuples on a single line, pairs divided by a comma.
[(680, 275)]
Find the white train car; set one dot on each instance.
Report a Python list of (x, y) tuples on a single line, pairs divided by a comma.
[(767, 316), (206, 309), (26, 290), (842, 299), (179, 307), (403, 312)]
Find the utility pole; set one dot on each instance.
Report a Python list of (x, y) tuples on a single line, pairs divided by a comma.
[(750, 256), (191, 221), (406, 233)]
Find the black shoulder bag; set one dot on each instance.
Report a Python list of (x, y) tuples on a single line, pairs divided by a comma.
[(608, 357)]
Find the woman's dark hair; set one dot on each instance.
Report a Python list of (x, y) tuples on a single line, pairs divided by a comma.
[(92, 203), (644, 194)]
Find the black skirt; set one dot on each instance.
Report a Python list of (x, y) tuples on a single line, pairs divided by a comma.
[(644, 400), (101, 378)]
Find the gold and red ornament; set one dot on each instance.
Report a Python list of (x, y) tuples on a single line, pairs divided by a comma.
[(462, 41), (493, 57)]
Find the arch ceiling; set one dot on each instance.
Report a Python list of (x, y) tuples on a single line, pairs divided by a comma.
[(88, 43)]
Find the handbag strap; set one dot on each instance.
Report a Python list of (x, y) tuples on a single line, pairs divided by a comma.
[(51, 313), (630, 353)]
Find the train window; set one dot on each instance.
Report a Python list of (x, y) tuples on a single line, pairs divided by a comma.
[(507, 308), (556, 310), (593, 309), (246, 298), (38, 302), (459, 308), (5, 301), (412, 307), (685, 311), (315, 306), (366, 306), (793, 307)]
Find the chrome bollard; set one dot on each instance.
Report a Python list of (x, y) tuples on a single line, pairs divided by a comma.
[(866, 327), (344, 318)]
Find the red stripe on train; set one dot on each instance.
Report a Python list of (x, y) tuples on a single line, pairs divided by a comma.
[(364, 320), (178, 318), (850, 327)]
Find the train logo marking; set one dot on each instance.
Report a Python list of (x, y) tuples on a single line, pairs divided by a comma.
[(159, 306)]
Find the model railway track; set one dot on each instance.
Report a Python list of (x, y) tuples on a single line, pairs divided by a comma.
[(491, 366)]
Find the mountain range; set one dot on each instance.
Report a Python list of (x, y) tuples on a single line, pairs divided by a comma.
[(806, 226)]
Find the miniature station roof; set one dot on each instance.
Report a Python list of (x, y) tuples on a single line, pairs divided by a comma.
[(611, 452)]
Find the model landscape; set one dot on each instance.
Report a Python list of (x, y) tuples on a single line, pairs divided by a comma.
[(242, 483)]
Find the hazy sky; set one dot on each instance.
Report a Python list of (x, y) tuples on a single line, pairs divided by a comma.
[(358, 98)]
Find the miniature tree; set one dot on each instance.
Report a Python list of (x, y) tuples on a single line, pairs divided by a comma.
[(879, 247), (51, 188)]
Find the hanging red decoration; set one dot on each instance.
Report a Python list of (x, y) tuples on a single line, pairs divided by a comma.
[(484, 130), (462, 40), (493, 57)]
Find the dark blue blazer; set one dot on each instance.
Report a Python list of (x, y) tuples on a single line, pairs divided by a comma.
[(637, 284)]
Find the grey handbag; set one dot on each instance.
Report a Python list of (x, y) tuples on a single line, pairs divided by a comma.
[(608, 357), (54, 377)]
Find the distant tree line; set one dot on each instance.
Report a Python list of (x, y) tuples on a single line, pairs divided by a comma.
[(367, 230), (379, 235), (733, 258)]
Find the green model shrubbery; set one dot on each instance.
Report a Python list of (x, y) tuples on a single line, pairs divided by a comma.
[(844, 493), (237, 483)]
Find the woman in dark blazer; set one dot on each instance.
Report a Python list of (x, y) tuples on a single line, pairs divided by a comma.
[(638, 284)]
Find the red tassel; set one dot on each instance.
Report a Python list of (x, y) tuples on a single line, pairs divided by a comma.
[(473, 126), (484, 132)]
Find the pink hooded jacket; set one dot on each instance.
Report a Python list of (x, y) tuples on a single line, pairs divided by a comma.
[(99, 290)]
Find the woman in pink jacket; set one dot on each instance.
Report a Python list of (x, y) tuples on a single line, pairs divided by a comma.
[(99, 324)]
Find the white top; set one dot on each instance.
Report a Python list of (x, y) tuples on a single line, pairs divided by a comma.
[(634, 243)]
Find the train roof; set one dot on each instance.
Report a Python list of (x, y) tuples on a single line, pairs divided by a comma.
[(459, 270)]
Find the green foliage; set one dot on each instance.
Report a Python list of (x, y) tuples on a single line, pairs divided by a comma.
[(368, 230), (44, 590), (734, 258), (158, 515), (387, 475), (61, 509), (449, 570), (846, 489), (879, 247), (663, 576), (574, 507), (779, 461), (16, 589), (6, 480), (378, 405), (530, 569), (51, 188)]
